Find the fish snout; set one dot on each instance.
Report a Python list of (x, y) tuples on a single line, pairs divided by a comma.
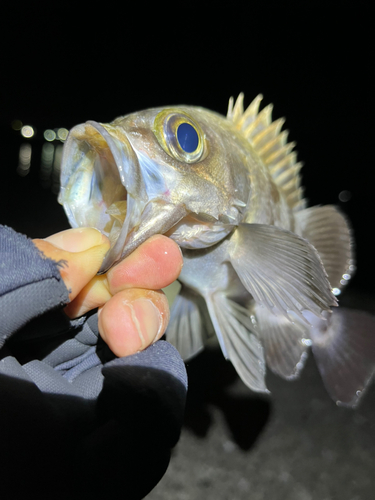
[(101, 183)]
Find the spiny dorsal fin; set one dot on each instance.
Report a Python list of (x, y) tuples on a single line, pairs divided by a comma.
[(271, 145)]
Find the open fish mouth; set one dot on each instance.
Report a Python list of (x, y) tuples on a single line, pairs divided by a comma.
[(101, 185)]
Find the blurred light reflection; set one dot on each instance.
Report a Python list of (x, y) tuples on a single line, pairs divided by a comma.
[(49, 135), (345, 195), (46, 164), (62, 134), (27, 131), (56, 170), (24, 159), (17, 124)]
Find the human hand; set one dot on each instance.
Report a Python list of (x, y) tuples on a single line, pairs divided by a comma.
[(133, 312), (62, 389)]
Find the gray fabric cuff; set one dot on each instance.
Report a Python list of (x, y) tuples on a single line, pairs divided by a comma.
[(30, 284), (19, 306)]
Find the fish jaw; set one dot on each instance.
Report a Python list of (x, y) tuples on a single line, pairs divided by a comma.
[(104, 185)]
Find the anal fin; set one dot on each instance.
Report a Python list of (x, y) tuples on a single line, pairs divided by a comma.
[(285, 343), (239, 344), (344, 350)]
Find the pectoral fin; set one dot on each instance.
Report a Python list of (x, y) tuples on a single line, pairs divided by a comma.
[(280, 269)]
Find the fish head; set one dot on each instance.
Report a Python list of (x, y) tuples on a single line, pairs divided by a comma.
[(179, 171)]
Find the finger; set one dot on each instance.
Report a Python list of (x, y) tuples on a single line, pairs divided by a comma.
[(159, 254), (80, 253), (77, 239), (93, 295), (133, 319), (155, 264)]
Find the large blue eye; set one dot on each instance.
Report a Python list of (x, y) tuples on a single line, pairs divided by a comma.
[(187, 137), (180, 136)]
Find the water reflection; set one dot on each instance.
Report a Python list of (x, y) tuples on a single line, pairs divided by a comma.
[(56, 169), (51, 153), (46, 164), (24, 159)]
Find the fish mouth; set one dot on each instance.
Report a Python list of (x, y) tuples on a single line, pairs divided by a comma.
[(102, 186), (120, 190)]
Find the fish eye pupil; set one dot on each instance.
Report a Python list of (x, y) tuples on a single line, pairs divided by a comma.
[(187, 137)]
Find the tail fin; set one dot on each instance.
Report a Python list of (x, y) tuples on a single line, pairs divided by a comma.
[(344, 349)]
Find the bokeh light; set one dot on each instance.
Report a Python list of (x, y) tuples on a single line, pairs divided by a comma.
[(17, 124), (62, 134), (27, 131), (49, 135), (345, 195)]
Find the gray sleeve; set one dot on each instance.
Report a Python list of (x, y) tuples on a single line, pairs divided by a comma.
[(66, 401), (30, 284)]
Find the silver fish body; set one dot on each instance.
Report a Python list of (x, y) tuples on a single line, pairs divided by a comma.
[(259, 267)]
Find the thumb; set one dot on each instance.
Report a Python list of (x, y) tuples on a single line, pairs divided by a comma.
[(80, 251)]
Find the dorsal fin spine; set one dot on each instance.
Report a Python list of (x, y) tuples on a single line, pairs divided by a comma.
[(279, 167), (291, 173), (272, 156), (230, 108), (250, 113), (262, 120), (269, 133), (270, 143), (238, 108)]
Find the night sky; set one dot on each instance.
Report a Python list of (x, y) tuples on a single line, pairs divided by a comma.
[(65, 66)]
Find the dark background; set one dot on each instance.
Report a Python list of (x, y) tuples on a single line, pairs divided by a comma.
[(314, 61), (63, 66)]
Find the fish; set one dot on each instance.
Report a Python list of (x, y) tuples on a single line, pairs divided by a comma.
[(261, 270)]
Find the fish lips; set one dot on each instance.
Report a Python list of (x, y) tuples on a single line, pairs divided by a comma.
[(112, 147)]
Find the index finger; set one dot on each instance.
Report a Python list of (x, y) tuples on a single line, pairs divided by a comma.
[(155, 264)]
